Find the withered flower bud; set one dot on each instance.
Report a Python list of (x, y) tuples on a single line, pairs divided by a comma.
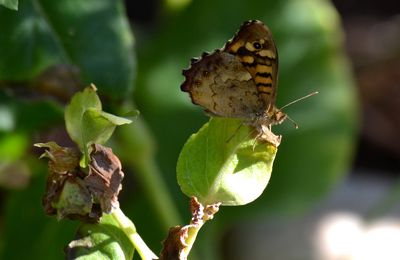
[(71, 192)]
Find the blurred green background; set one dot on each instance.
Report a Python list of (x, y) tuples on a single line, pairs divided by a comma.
[(134, 53)]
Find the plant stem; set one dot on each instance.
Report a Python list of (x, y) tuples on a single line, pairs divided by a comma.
[(192, 234), (200, 214), (129, 229)]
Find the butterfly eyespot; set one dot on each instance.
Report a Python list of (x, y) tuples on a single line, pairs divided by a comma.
[(257, 45)]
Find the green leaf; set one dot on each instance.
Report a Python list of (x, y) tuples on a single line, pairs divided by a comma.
[(92, 35), (27, 46), (224, 163), (86, 123), (98, 126), (105, 240), (116, 120), (74, 112), (11, 4)]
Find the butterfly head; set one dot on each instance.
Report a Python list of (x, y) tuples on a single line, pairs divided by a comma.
[(275, 116), (279, 117)]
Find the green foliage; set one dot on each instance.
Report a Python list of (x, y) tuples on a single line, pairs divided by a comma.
[(224, 163), (100, 125), (12, 4), (111, 241), (96, 38), (74, 113), (92, 35), (87, 124)]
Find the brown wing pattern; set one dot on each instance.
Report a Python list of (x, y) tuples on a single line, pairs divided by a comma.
[(222, 86), (254, 46)]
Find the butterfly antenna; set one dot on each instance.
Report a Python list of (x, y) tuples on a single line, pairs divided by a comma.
[(294, 101), (297, 100), (293, 122)]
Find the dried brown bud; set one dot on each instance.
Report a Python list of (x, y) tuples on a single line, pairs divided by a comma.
[(174, 244), (105, 176), (71, 192), (63, 164), (178, 241)]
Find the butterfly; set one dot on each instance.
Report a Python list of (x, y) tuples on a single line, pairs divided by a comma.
[(240, 80)]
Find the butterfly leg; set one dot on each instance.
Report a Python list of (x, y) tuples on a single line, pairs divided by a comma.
[(236, 131)]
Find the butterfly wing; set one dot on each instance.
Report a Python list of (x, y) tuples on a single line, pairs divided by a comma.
[(222, 86), (255, 48)]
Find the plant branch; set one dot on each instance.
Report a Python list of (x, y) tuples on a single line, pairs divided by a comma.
[(129, 229), (180, 240)]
